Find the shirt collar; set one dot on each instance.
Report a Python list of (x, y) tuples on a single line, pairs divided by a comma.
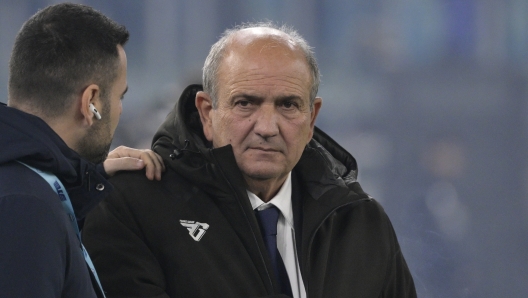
[(282, 200)]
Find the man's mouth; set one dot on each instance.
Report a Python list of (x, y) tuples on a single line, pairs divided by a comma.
[(265, 149)]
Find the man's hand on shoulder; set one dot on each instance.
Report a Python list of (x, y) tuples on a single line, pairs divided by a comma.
[(128, 159)]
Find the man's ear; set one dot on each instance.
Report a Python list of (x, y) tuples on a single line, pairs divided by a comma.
[(90, 95), (318, 102), (204, 104)]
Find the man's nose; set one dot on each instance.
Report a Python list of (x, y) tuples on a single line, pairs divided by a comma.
[(266, 122)]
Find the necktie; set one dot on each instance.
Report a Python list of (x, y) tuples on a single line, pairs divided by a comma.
[(268, 219)]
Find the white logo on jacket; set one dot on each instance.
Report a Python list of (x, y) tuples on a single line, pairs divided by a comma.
[(196, 229)]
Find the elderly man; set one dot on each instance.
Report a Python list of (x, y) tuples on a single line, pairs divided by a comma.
[(256, 202), (66, 82)]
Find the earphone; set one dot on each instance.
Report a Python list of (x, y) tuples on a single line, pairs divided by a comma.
[(94, 110)]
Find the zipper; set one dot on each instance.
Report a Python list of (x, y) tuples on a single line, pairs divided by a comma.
[(247, 220)]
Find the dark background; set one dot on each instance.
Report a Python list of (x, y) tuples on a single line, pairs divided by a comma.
[(430, 96)]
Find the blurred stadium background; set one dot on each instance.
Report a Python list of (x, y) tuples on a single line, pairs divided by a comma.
[(430, 96)]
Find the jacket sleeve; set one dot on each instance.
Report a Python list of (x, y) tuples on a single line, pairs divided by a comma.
[(32, 248), (399, 281), (125, 264)]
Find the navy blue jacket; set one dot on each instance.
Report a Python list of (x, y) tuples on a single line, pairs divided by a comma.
[(40, 254)]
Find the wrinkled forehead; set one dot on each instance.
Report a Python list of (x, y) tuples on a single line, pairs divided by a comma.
[(263, 53)]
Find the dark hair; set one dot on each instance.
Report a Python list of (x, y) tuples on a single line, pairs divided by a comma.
[(61, 50)]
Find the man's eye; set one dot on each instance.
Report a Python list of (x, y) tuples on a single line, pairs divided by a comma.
[(289, 105), (243, 103)]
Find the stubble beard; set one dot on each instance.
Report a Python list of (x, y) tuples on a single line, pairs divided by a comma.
[(95, 146)]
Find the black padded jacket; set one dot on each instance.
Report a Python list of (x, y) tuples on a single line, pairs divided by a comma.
[(193, 234)]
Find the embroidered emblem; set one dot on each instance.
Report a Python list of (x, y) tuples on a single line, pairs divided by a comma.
[(196, 229)]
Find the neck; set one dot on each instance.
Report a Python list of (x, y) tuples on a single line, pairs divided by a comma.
[(66, 131), (265, 189)]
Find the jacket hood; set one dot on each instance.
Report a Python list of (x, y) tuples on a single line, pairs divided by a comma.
[(29, 139), (181, 142)]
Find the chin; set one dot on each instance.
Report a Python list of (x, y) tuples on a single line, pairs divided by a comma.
[(263, 170), (95, 153), (264, 174)]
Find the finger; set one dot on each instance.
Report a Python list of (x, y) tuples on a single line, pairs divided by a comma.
[(150, 165), (153, 163), (113, 165), (160, 160), (160, 163), (123, 151)]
